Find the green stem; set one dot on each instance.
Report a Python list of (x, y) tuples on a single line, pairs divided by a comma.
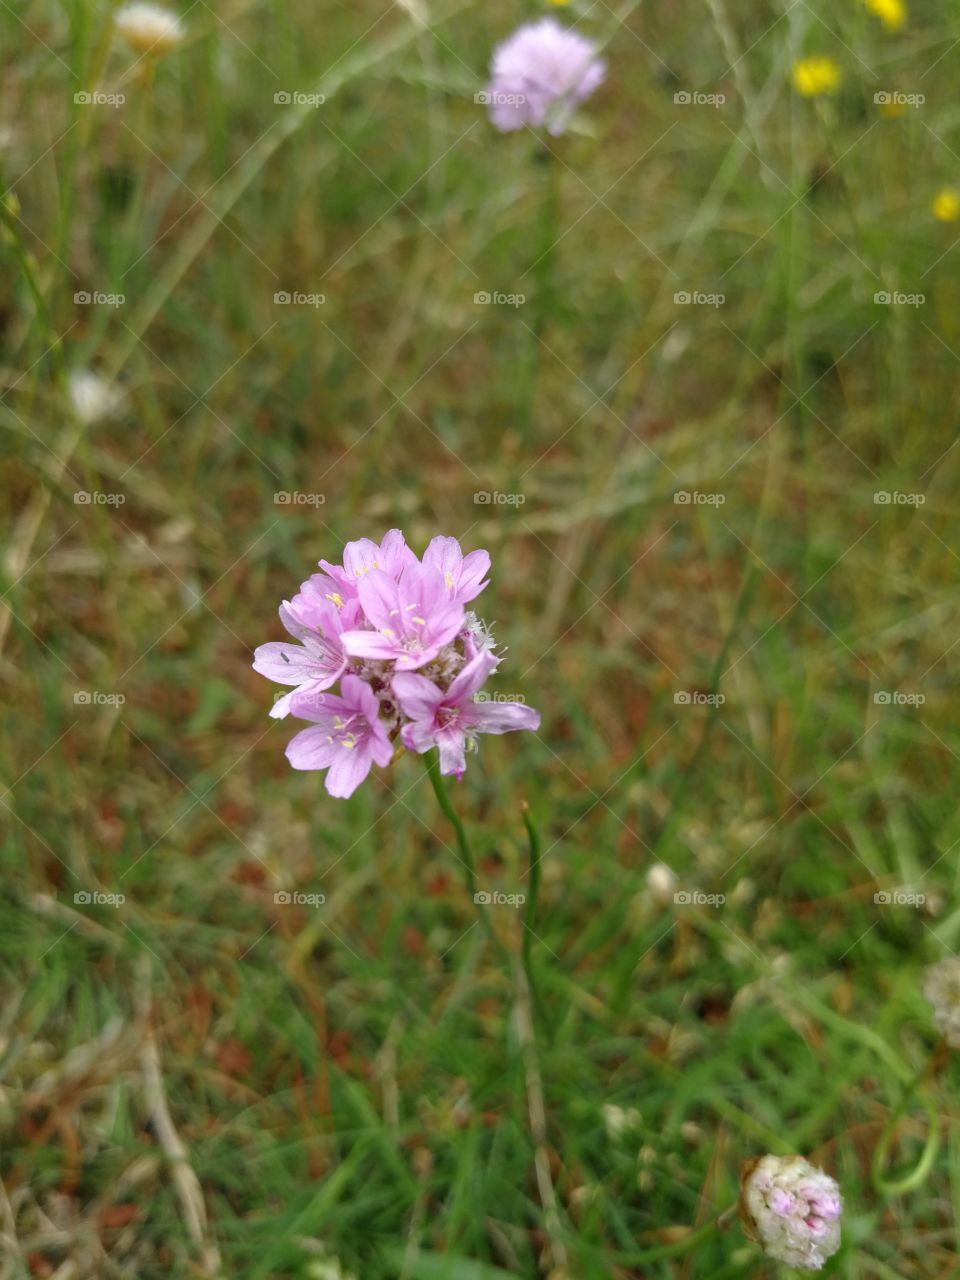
[(464, 854), (533, 890), (916, 1176)]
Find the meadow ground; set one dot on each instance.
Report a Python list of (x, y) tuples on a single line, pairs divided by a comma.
[(739, 325)]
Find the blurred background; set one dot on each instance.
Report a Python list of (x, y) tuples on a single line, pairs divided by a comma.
[(689, 372)]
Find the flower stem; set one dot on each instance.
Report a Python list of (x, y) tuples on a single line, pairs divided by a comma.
[(915, 1177), (533, 889), (464, 854)]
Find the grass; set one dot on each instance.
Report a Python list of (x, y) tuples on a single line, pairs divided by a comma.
[(358, 1081)]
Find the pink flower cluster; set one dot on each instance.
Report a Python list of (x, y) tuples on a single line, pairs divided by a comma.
[(409, 658), (539, 75)]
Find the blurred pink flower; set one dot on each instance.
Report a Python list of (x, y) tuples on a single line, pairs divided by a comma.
[(540, 75)]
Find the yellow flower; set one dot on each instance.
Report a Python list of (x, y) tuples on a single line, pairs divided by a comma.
[(946, 205), (559, 2), (892, 13), (813, 76)]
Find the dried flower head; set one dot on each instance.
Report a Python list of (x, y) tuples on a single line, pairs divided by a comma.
[(815, 76), (411, 661), (540, 75), (941, 988), (792, 1209), (148, 28)]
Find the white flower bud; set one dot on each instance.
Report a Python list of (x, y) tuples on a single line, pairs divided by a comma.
[(662, 884), (941, 987), (148, 28), (792, 1209)]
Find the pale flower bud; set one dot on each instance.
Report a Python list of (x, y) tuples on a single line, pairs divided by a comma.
[(792, 1209), (941, 987), (148, 28), (661, 882)]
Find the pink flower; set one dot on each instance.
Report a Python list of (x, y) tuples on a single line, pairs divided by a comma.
[(362, 556), (450, 720), (348, 739), (412, 618), (463, 576), (539, 75), (369, 623), (318, 661)]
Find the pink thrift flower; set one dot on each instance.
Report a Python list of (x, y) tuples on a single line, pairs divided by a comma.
[(370, 623), (360, 557), (412, 618), (451, 720), (540, 75), (318, 661), (464, 577), (793, 1209), (349, 737)]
